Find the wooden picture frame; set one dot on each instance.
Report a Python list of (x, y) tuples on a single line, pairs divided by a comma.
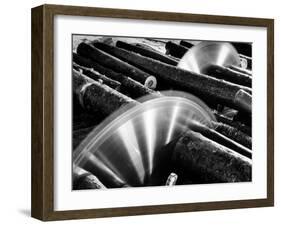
[(43, 111)]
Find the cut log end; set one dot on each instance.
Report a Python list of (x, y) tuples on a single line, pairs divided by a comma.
[(243, 63), (172, 179), (150, 82), (243, 100)]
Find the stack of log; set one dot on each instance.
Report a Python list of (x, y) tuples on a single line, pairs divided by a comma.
[(107, 76)]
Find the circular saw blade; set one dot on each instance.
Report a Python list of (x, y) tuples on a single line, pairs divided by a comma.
[(126, 148), (206, 53)]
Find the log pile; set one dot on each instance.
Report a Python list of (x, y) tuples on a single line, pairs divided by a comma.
[(109, 76)]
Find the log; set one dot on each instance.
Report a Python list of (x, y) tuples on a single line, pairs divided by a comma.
[(175, 50), (233, 134), (238, 125), (186, 44), (95, 75), (209, 162), (241, 70), (116, 64), (230, 75), (82, 179), (243, 48), (145, 52), (128, 85), (221, 139), (201, 85), (96, 97)]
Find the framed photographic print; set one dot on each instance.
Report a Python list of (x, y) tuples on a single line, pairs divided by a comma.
[(141, 112)]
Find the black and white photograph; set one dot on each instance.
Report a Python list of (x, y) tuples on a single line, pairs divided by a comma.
[(160, 112)]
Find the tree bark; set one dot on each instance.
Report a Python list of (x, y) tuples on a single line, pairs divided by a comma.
[(96, 97), (116, 64), (221, 139), (82, 179), (230, 75), (95, 75), (201, 85), (128, 85), (210, 162), (233, 134)]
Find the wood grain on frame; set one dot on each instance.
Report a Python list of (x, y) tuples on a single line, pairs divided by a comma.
[(43, 123)]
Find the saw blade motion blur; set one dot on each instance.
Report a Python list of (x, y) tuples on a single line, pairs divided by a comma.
[(204, 54), (126, 148)]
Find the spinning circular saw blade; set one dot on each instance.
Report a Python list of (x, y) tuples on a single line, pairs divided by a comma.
[(126, 148), (204, 54)]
